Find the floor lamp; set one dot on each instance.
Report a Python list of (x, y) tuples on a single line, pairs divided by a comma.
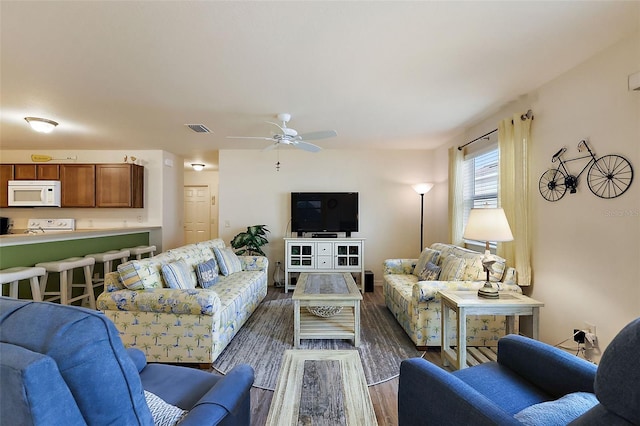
[(422, 188), (488, 224)]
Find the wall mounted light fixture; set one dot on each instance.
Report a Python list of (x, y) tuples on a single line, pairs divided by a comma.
[(41, 125), (197, 166)]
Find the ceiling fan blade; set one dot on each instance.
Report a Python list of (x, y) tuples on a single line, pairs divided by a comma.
[(270, 147), (318, 135), (306, 146), (250, 137), (278, 126)]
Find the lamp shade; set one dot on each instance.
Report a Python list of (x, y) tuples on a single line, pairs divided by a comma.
[(197, 166), (422, 188), (489, 224)]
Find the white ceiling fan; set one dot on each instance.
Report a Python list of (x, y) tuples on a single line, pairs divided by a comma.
[(289, 136)]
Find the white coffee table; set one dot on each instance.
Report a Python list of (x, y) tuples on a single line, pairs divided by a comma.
[(465, 303), (326, 289)]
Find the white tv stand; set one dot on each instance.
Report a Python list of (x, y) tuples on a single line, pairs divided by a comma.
[(323, 255)]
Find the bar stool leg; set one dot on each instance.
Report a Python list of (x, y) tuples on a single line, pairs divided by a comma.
[(64, 288), (43, 284), (35, 289), (13, 289), (89, 286)]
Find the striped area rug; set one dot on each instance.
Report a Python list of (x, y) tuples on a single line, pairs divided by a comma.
[(261, 343)]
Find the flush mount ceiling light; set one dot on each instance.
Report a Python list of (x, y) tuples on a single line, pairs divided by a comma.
[(197, 166), (41, 125)]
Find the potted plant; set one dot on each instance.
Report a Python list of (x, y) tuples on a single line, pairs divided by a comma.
[(249, 242)]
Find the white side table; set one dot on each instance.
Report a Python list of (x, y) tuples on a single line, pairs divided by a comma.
[(465, 303)]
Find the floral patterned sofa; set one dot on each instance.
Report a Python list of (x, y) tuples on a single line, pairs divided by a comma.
[(415, 301), (182, 325)]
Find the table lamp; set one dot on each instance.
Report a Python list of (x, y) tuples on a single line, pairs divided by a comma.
[(488, 224)]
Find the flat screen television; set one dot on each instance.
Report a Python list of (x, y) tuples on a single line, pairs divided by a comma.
[(324, 212)]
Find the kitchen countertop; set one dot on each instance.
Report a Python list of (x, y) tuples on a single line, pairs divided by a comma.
[(19, 237)]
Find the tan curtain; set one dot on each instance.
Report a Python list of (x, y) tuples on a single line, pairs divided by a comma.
[(456, 196), (514, 137)]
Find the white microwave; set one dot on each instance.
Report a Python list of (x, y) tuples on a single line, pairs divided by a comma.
[(34, 193)]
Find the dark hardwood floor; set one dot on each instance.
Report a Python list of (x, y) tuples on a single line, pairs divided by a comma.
[(383, 396)]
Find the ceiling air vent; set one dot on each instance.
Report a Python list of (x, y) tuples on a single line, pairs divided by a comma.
[(198, 128)]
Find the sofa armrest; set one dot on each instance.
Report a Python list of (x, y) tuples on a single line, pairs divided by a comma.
[(199, 301), (230, 396), (552, 369), (398, 266), (254, 263), (112, 282), (427, 291), (429, 394)]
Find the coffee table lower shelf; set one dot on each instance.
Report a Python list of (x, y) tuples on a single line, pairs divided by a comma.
[(339, 326)]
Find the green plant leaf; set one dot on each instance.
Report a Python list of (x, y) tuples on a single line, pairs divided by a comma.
[(249, 242)]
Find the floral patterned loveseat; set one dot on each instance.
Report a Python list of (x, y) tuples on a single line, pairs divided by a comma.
[(182, 325), (415, 302)]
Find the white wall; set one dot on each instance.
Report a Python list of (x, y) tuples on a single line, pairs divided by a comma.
[(252, 192), (586, 256), (171, 195)]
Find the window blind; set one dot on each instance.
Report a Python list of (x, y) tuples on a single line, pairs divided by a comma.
[(480, 174)]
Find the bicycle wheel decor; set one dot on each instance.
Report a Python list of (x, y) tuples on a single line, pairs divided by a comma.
[(552, 185), (610, 176)]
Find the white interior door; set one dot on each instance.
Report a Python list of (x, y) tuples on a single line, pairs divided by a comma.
[(197, 214)]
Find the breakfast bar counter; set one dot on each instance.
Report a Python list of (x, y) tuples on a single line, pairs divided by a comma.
[(22, 249), (21, 237)]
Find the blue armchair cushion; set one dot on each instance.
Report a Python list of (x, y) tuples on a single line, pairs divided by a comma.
[(558, 412), (39, 392), (619, 374), (84, 344)]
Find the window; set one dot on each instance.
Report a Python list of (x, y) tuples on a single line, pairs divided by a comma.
[(480, 174)]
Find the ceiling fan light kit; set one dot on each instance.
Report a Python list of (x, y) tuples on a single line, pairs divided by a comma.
[(289, 136)]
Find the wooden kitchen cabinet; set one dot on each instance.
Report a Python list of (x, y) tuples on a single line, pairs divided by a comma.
[(6, 174), (78, 182), (36, 172), (119, 185)]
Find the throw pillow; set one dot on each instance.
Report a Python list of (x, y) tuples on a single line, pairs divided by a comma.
[(177, 275), (207, 273), (452, 268), (427, 255), (228, 261), (559, 412), (164, 414), (430, 272)]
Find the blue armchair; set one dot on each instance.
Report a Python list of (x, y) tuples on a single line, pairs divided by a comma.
[(531, 383), (67, 365)]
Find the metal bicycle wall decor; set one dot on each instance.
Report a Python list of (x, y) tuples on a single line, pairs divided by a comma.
[(608, 177)]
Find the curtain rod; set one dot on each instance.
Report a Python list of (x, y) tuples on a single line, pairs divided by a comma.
[(523, 117)]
